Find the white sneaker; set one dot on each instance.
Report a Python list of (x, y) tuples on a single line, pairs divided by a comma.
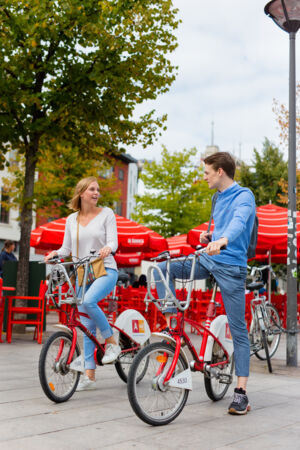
[(86, 384), (111, 353)]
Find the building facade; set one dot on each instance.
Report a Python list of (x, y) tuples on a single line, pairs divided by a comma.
[(9, 224)]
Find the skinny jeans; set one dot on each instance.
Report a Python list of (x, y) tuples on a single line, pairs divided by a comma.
[(231, 281), (95, 292)]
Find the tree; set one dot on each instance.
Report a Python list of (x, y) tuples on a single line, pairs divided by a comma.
[(176, 199), (58, 173), (74, 71), (265, 173), (282, 116)]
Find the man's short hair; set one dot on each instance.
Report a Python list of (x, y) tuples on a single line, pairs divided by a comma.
[(222, 160)]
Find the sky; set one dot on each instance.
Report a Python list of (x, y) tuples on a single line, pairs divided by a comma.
[(233, 62)]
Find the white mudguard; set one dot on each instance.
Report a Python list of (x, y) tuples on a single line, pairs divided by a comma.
[(184, 379), (220, 328), (134, 325)]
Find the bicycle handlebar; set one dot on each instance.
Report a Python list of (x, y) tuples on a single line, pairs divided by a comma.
[(58, 259), (170, 299), (259, 269)]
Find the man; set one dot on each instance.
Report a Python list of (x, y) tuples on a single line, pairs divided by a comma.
[(7, 254), (233, 215)]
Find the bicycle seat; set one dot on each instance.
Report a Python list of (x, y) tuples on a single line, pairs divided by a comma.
[(255, 285)]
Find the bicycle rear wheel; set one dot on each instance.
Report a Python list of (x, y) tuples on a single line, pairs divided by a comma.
[(126, 358), (273, 333), (58, 381), (154, 402), (217, 386), (266, 348)]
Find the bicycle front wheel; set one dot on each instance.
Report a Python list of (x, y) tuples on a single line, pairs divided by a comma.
[(125, 359), (58, 381), (216, 385), (153, 401)]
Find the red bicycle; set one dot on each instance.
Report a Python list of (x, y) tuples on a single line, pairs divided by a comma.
[(61, 362), (160, 395)]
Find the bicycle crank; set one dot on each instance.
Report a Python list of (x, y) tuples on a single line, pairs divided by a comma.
[(214, 372)]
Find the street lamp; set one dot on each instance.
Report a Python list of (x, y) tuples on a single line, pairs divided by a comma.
[(286, 14)]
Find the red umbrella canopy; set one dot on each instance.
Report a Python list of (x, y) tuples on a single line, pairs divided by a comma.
[(178, 246), (272, 230), (132, 236), (193, 236), (278, 258), (49, 236), (129, 259)]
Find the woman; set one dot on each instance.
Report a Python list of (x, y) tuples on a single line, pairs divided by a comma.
[(7, 254), (97, 230)]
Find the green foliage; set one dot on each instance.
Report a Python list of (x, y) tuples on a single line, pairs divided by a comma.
[(176, 199), (73, 71), (76, 70), (282, 117), (58, 173), (265, 174)]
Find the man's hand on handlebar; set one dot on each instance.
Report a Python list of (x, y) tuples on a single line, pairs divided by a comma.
[(205, 237), (214, 248)]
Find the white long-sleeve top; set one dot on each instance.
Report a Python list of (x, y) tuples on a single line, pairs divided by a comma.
[(100, 232)]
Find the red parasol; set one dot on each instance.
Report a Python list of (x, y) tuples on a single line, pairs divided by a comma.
[(129, 259), (272, 231), (132, 236), (178, 246)]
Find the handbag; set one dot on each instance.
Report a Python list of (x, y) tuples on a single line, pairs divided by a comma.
[(95, 268)]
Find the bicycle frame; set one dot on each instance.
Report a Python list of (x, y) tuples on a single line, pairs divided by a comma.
[(176, 329), (60, 277), (74, 323)]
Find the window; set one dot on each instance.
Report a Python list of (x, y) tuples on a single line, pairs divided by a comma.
[(4, 211), (121, 174), (118, 208), (105, 173)]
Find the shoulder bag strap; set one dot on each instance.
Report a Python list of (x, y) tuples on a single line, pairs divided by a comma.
[(77, 235), (213, 204)]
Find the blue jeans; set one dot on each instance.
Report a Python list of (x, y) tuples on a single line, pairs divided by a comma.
[(231, 281), (95, 292)]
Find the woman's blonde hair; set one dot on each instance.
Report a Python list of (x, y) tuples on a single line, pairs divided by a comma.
[(81, 187)]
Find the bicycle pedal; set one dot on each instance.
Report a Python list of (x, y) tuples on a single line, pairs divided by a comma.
[(225, 379)]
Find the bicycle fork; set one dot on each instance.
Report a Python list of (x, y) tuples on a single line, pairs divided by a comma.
[(78, 363)]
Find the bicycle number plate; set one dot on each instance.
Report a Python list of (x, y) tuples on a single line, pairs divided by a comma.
[(78, 364), (182, 381)]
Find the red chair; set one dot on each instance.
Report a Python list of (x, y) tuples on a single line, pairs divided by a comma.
[(37, 311)]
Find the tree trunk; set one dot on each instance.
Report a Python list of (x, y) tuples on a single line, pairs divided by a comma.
[(26, 225)]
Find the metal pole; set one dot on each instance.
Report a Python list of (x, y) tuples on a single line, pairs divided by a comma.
[(291, 349), (269, 277)]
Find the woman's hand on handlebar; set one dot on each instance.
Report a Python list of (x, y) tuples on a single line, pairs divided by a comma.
[(104, 252), (50, 256), (214, 248)]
